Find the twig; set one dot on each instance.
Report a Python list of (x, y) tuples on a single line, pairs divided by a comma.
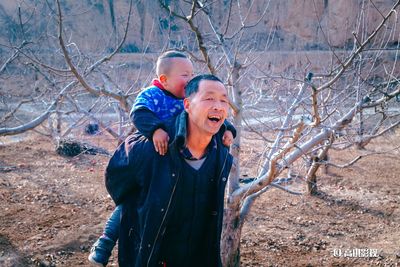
[(122, 99), (317, 119), (199, 36), (359, 49), (243, 27), (53, 69), (358, 158), (14, 56), (250, 199), (87, 113), (24, 101), (288, 118), (32, 124)]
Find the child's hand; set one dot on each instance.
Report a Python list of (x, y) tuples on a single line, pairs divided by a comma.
[(227, 139), (160, 141)]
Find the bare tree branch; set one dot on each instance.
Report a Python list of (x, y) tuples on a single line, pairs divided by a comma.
[(317, 118), (288, 118), (24, 101), (90, 115), (248, 26), (311, 177), (119, 97), (37, 121), (352, 162), (53, 69), (347, 63), (197, 32), (13, 56), (366, 139), (249, 201), (274, 169)]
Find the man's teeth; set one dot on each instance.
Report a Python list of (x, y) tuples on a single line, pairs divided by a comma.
[(214, 118)]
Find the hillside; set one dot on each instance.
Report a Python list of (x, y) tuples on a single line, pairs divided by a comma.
[(290, 25)]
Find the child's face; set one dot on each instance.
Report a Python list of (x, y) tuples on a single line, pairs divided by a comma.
[(178, 76)]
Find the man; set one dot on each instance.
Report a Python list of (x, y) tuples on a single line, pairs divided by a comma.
[(173, 204)]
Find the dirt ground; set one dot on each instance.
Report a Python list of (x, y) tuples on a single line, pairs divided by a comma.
[(52, 208)]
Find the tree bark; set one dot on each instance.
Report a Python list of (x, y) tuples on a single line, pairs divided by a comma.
[(231, 232), (235, 148), (311, 176), (312, 187)]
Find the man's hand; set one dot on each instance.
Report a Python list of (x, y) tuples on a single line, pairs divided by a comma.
[(227, 139), (160, 141)]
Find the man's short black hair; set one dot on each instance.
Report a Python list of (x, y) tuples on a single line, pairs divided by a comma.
[(193, 85)]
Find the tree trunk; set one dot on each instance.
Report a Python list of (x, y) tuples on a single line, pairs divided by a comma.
[(312, 187), (311, 176), (231, 232), (235, 148), (360, 132), (112, 15)]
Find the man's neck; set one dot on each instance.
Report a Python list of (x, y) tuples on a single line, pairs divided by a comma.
[(196, 142)]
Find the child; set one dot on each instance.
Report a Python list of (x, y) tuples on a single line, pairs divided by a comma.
[(157, 103)]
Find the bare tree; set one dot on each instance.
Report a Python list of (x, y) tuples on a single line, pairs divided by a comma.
[(59, 78), (339, 98), (316, 117)]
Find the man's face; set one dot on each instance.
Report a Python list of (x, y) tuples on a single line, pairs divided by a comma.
[(208, 108), (178, 76)]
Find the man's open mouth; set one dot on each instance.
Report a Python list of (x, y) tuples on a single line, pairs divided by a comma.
[(214, 118)]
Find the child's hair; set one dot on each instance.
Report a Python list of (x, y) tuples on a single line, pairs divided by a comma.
[(164, 61)]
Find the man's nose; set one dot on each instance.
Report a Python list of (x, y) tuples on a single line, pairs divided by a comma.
[(218, 105)]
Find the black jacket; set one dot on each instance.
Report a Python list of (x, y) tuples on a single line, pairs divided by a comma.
[(145, 182)]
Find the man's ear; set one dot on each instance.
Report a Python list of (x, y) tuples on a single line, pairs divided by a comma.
[(186, 104)]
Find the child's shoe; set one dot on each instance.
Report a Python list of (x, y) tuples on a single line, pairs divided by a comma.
[(101, 251)]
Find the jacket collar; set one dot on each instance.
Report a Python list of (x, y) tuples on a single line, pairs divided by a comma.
[(181, 129), (159, 85)]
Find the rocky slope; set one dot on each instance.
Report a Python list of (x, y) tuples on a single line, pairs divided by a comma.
[(96, 25)]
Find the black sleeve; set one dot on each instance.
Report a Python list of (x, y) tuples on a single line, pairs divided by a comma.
[(229, 127), (119, 174), (146, 122), (123, 173)]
